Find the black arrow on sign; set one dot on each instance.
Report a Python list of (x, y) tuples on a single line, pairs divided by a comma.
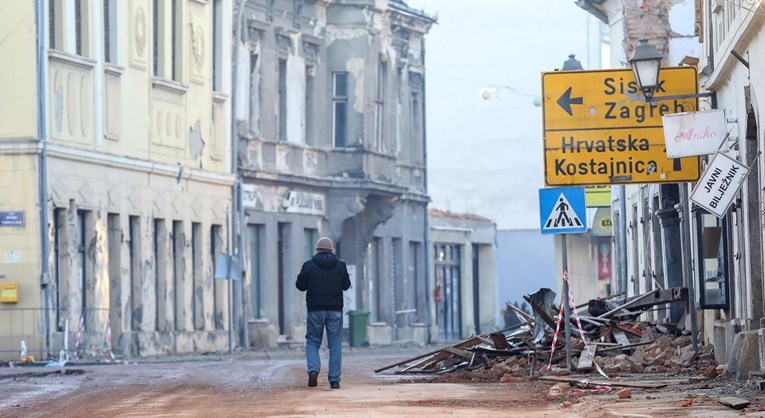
[(566, 101)]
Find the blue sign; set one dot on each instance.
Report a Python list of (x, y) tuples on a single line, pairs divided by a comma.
[(562, 210), (12, 218)]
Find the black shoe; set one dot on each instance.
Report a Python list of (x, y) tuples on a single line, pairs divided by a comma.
[(313, 379), (334, 385)]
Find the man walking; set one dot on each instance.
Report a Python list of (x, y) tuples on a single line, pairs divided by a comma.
[(324, 277)]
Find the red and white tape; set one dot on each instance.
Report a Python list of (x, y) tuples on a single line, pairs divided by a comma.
[(578, 324)]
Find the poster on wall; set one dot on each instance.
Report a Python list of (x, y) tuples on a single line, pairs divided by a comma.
[(604, 258)]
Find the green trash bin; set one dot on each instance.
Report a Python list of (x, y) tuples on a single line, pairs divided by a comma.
[(357, 327)]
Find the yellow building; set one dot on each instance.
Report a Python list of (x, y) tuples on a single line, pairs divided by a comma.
[(118, 121)]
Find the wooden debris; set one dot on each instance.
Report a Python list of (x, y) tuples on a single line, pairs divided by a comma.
[(608, 383), (733, 402), (585, 359)]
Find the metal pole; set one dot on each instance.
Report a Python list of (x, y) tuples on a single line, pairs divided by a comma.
[(566, 304), (686, 218), (228, 280), (236, 189), (42, 131)]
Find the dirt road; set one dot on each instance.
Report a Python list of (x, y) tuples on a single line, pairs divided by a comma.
[(245, 385)]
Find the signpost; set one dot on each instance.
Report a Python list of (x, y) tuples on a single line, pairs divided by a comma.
[(599, 130), (563, 211)]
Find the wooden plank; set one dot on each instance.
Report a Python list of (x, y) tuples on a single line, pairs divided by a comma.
[(462, 344), (585, 359), (540, 310), (461, 353), (626, 305), (733, 402), (620, 337), (443, 355), (499, 340), (580, 381)]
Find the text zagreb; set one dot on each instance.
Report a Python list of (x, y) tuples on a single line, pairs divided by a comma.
[(636, 111)]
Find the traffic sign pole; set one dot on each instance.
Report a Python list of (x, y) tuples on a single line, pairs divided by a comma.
[(566, 304)]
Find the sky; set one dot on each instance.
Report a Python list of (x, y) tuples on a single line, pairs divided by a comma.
[(485, 156)]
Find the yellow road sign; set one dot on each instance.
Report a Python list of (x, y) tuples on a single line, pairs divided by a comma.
[(598, 129), (597, 196)]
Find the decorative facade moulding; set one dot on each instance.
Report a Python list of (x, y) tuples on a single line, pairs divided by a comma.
[(255, 31), (284, 43), (310, 47)]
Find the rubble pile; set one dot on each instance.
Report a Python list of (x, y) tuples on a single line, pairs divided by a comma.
[(617, 344)]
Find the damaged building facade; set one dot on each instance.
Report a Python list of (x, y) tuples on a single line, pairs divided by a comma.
[(330, 118), (116, 135), (722, 262)]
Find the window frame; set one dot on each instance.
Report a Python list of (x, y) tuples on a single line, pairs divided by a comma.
[(339, 100), (724, 269)]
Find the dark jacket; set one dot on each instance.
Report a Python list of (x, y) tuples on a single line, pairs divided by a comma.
[(324, 276)]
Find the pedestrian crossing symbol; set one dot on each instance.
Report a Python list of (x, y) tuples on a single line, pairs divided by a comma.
[(562, 210)]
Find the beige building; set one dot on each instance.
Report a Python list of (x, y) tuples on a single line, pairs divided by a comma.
[(117, 126)]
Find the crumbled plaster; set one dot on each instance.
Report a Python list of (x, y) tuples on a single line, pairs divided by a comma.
[(355, 67), (196, 143)]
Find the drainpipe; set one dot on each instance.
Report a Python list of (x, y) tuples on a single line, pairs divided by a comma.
[(426, 223), (42, 133), (237, 214)]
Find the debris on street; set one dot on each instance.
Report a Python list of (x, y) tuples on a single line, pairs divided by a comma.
[(616, 342)]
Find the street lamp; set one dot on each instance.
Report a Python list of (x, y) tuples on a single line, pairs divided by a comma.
[(646, 64)]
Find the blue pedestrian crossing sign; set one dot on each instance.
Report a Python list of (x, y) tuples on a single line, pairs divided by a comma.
[(562, 210)]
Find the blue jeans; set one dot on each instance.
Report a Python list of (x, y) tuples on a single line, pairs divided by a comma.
[(316, 321)]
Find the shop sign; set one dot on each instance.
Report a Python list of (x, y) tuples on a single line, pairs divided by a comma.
[(694, 133), (719, 184), (303, 202)]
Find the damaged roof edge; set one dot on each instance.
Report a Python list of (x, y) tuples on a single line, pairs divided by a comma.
[(403, 7), (591, 7)]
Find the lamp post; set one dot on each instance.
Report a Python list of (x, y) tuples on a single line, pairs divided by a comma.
[(646, 64)]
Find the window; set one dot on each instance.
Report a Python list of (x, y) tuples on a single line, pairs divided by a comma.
[(282, 135), (179, 274), (217, 45), (136, 288), (197, 272), (412, 288), (340, 109), (254, 94), (160, 273), (310, 74), (416, 132), (309, 238), (86, 270), (382, 73), (254, 252), (219, 286), (374, 268), (111, 32), (69, 26), (166, 39), (78, 25), (60, 267), (713, 260), (446, 294)]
